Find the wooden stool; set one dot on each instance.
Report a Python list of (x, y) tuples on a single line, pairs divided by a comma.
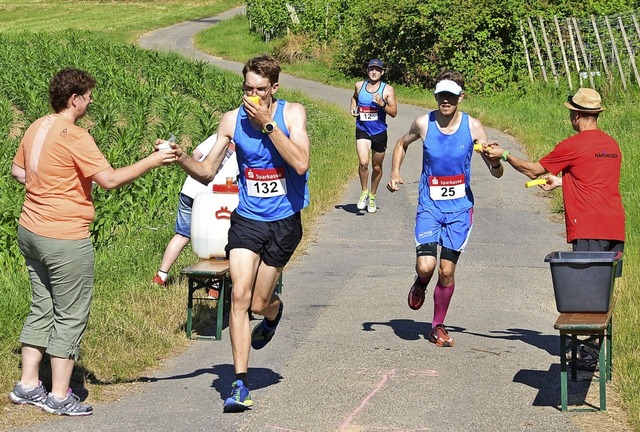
[(597, 327), (212, 274)]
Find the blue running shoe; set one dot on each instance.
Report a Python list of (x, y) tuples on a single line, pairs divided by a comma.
[(240, 399), (263, 333)]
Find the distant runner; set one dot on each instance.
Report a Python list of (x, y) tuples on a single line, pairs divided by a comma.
[(372, 100)]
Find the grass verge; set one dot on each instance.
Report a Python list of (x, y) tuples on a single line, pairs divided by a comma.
[(118, 21)]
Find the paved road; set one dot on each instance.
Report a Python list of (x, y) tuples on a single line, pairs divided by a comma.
[(350, 355)]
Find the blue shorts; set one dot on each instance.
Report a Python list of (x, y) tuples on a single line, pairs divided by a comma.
[(183, 219), (450, 230)]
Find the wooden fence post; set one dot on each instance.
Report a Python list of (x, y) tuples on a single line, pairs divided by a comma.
[(526, 51), (602, 56), (615, 53), (564, 54), (573, 48), (535, 45), (635, 23), (584, 52), (629, 50), (549, 54)]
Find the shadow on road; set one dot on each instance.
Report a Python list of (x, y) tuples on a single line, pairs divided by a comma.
[(351, 208), (225, 375), (548, 385), (408, 329), (549, 343)]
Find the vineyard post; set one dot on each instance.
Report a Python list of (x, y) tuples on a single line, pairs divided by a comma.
[(602, 56), (615, 53), (535, 45), (549, 54), (635, 24), (526, 51), (629, 50), (564, 54), (573, 48), (584, 52)]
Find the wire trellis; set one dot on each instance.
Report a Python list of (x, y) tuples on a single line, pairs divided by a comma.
[(597, 50)]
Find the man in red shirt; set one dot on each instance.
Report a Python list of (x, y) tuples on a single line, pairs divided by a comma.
[(590, 163)]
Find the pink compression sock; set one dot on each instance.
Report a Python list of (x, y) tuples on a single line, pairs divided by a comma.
[(441, 298)]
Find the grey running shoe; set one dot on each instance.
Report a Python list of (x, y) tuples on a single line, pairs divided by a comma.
[(32, 396), (69, 406)]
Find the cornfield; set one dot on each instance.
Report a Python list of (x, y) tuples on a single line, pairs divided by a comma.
[(140, 96)]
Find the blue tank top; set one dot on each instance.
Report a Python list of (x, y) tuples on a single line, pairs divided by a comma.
[(371, 117), (269, 189), (446, 168)]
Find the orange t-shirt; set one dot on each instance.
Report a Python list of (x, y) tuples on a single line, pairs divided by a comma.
[(59, 159)]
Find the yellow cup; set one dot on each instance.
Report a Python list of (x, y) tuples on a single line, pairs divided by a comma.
[(477, 148), (254, 99)]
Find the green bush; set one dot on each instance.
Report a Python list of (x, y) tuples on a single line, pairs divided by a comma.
[(321, 20), (479, 38)]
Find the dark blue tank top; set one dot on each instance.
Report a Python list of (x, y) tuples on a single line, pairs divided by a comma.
[(367, 107)]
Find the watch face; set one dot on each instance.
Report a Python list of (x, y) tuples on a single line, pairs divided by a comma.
[(269, 127)]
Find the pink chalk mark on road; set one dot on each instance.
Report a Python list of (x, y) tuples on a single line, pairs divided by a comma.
[(394, 429), (347, 422), (423, 373)]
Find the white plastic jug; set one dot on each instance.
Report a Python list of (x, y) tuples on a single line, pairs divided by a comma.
[(211, 219)]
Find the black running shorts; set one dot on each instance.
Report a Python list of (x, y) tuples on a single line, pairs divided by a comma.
[(274, 241), (378, 141)]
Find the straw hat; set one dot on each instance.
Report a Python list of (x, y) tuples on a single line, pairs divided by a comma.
[(585, 100)]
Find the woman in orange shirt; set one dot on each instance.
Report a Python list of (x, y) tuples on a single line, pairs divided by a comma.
[(58, 161)]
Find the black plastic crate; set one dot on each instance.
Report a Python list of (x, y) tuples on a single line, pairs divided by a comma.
[(583, 281)]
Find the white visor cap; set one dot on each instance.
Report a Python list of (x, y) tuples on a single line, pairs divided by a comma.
[(448, 86)]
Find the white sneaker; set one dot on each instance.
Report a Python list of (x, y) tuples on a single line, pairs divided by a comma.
[(362, 201), (371, 208)]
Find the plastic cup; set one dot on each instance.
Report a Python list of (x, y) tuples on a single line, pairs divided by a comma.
[(477, 148), (167, 144), (536, 182), (254, 99)]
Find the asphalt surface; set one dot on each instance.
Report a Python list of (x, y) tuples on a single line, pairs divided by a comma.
[(349, 354)]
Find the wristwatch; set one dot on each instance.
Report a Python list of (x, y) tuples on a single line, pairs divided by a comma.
[(269, 127)]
